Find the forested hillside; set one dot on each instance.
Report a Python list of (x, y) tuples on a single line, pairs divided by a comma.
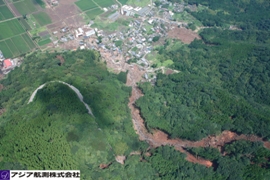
[(223, 84), (55, 131)]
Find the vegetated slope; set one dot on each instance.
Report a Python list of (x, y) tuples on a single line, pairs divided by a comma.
[(223, 84), (55, 131)]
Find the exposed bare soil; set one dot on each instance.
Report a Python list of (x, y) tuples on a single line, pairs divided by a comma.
[(183, 34)]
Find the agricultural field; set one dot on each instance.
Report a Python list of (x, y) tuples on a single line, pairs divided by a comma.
[(5, 49), (44, 42), (140, 3), (24, 23), (42, 18), (92, 14), (10, 28), (16, 45), (5, 13), (26, 6), (86, 4), (105, 3)]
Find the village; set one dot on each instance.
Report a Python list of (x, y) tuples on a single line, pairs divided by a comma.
[(132, 44)]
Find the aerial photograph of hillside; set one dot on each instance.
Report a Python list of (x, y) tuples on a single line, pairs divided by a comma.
[(135, 89)]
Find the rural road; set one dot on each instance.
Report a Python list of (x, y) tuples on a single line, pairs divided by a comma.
[(80, 96)]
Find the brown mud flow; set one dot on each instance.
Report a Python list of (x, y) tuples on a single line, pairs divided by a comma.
[(159, 138)]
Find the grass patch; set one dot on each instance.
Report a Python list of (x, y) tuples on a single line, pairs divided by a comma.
[(86, 4), (105, 3), (20, 44), (5, 13), (42, 18), (35, 32), (10, 28), (44, 42), (92, 14), (25, 6), (5, 49)]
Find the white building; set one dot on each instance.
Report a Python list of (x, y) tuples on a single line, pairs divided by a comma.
[(90, 33)]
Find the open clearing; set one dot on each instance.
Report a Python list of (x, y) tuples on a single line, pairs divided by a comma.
[(86, 4), (10, 28), (42, 18), (5, 13), (26, 6), (92, 14), (183, 34)]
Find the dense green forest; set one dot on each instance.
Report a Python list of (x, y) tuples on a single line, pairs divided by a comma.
[(55, 131), (223, 84)]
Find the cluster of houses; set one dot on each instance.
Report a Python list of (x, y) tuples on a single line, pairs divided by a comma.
[(7, 64)]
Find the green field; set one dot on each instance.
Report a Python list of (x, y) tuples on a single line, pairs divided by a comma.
[(1, 2), (25, 24), (25, 6), (5, 13), (86, 4), (92, 14), (105, 3), (123, 1), (10, 28), (28, 41), (16, 45), (12, 46), (5, 49), (42, 18), (20, 44), (44, 42)]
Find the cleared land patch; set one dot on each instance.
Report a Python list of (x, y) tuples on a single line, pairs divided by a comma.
[(92, 14), (10, 28), (105, 3), (86, 4), (5, 13), (25, 6), (42, 18)]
